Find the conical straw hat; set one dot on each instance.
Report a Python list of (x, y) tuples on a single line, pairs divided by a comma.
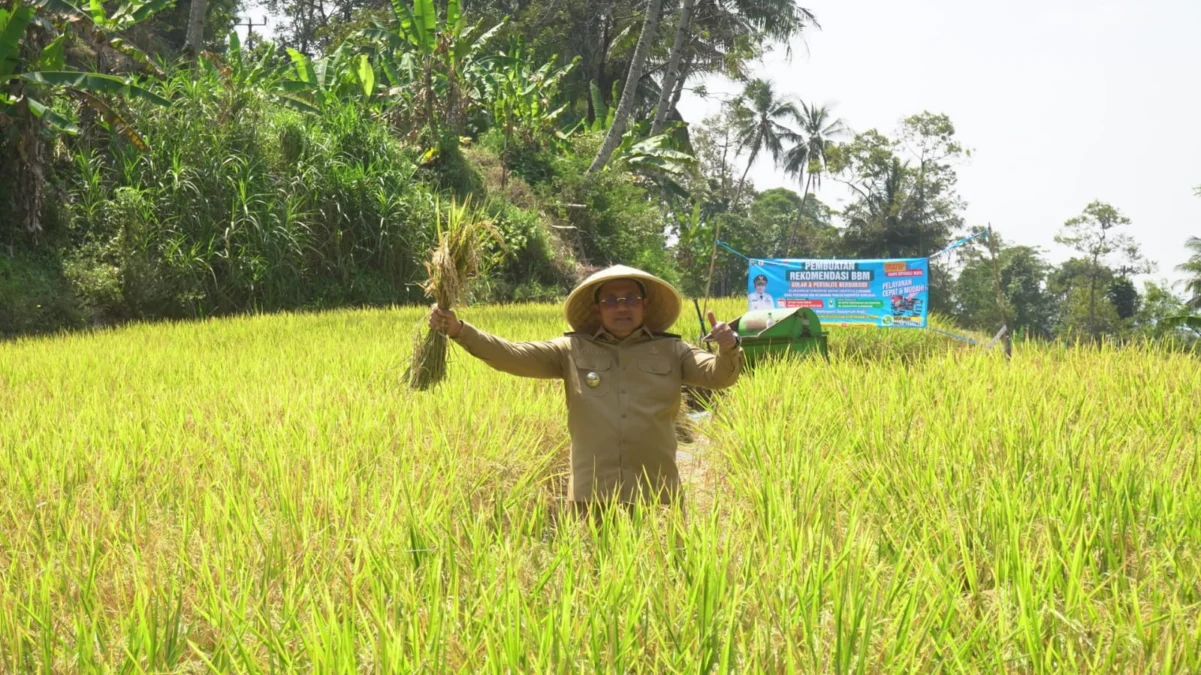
[(663, 301)]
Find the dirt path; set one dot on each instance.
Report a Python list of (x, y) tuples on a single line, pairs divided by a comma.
[(697, 473)]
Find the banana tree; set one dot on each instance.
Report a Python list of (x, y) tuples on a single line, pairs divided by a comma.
[(38, 90), (240, 73), (104, 29), (1189, 321), (655, 161), (276, 78), (336, 78), (433, 66), (520, 101), (48, 67), (604, 114)]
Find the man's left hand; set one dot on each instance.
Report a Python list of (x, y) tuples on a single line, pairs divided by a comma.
[(722, 333)]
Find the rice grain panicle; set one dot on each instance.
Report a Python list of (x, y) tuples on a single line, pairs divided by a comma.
[(454, 262)]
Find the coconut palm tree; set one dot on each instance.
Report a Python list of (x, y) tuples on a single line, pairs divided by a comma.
[(729, 27), (807, 159), (1193, 268), (650, 25), (881, 223), (735, 32), (668, 86), (759, 116), (195, 39)]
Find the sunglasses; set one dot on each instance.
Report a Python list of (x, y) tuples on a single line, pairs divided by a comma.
[(611, 302)]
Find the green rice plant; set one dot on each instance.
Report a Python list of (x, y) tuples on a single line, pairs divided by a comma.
[(256, 494)]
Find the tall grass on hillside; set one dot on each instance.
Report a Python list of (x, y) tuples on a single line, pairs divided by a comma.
[(257, 494), (243, 204)]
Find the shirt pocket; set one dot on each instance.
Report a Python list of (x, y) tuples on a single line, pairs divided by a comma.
[(658, 385), (655, 366), (597, 368)]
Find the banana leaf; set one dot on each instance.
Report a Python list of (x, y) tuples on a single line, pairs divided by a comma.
[(53, 57), (56, 121), (366, 75), (426, 23), (62, 7), (1189, 321), (12, 28), (385, 36), (454, 18), (93, 83), (298, 105), (304, 66), (114, 120)]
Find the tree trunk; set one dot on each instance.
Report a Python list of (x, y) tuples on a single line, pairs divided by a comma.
[(726, 174), (196, 15), (741, 184), (613, 138), (31, 170), (30, 159), (431, 122), (800, 217), (681, 77), (673, 68)]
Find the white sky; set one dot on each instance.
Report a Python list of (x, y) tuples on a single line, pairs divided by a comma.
[(1061, 101)]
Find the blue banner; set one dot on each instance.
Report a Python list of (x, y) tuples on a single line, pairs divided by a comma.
[(886, 293)]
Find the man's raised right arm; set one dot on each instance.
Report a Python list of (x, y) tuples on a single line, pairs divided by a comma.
[(528, 359)]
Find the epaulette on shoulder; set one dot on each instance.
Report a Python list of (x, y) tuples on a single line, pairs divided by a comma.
[(667, 335)]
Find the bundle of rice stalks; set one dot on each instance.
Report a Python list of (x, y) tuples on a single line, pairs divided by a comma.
[(454, 262)]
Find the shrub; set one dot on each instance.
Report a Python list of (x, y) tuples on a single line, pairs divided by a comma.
[(531, 268), (241, 204), (35, 296), (530, 162), (616, 221)]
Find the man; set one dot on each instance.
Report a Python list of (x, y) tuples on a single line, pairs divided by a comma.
[(622, 377), (760, 299)]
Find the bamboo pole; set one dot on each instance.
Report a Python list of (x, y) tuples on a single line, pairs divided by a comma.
[(996, 277)]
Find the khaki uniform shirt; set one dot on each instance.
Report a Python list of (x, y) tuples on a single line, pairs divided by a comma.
[(623, 438)]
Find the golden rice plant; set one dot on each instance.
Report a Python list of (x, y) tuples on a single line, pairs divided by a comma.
[(455, 260), (246, 495)]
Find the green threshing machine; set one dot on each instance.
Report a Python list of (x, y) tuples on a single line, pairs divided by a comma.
[(772, 332)]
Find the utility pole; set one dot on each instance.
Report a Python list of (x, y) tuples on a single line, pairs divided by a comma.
[(250, 24)]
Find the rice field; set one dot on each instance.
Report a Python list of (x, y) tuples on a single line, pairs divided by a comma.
[(265, 494)]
